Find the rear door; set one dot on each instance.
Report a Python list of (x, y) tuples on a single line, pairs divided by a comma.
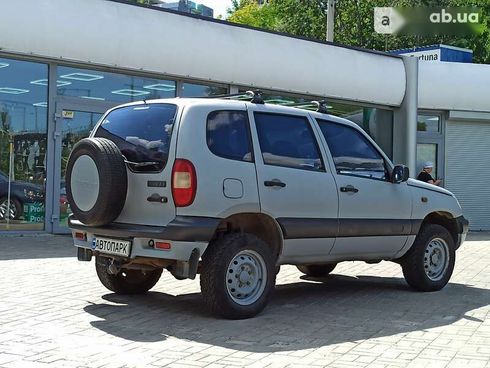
[(144, 134), (295, 186)]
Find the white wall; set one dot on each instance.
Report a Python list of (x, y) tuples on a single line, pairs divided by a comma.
[(114, 34), (454, 86)]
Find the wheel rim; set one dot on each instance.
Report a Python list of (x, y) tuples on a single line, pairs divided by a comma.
[(246, 277), (3, 210), (436, 259)]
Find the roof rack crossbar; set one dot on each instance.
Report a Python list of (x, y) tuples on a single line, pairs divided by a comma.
[(256, 97), (318, 106), (253, 96)]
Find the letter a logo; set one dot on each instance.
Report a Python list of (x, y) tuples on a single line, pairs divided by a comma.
[(387, 20)]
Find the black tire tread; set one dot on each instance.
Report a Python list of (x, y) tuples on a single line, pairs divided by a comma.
[(113, 189), (119, 285), (216, 299), (317, 270), (412, 262)]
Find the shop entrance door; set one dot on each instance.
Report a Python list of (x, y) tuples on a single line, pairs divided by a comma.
[(74, 121), (430, 144)]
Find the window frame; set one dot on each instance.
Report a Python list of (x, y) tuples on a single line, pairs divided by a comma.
[(323, 167), (249, 136), (437, 138), (386, 163)]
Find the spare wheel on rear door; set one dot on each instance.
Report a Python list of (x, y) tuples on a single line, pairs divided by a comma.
[(96, 181)]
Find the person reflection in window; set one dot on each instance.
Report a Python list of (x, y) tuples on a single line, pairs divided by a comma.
[(425, 175)]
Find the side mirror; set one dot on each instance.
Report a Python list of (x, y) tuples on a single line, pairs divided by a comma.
[(400, 174)]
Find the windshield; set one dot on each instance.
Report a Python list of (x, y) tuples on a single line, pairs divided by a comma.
[(142, 133)]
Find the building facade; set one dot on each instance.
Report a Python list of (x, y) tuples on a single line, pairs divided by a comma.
[(54, 87), (187, 6)]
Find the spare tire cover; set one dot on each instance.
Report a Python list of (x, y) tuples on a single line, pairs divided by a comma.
[(96, 181)]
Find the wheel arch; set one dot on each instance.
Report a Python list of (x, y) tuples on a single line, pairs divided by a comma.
[(261, 225), (444, 219)]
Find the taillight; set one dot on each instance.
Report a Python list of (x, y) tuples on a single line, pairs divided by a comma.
[(184, 183)]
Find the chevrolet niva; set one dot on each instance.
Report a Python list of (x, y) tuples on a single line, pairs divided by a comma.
[(232, 189)]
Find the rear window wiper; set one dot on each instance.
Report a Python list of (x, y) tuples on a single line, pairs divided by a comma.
[(142, 164)]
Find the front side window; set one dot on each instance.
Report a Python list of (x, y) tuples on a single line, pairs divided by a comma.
[(142, 133), (287, 140), (352, 153), (228, 136)]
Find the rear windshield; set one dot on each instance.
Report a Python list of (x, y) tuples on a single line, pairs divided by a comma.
[(142, 133)]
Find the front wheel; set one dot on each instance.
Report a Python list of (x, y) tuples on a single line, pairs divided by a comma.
[(126, 281), (237, 277), (429, 264)]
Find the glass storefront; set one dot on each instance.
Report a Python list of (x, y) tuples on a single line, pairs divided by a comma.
[(82, 95), (428, 123), (430, 142), (23, 143), (202, 90), (427, 152), (104, 86)]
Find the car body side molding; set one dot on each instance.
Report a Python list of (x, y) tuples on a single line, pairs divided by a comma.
[(303, 228)]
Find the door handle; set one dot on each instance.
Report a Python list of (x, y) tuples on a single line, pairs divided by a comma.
[(157, 198), (349, 188), (274, 183)]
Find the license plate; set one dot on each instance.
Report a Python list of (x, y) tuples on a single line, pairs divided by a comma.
[(112, 246)]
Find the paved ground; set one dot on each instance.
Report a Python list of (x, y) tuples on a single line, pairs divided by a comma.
[(53, 311)]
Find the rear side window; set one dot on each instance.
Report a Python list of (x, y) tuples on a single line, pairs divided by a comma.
[(352, 153), (228, 135), (142, 133), (287, 140)]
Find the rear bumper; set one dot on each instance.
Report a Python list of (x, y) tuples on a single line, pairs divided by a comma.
[(463, 226), (182, 228), (184, 234)]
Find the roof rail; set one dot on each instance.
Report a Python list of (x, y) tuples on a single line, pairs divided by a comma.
[(253, 96), (319, 106), (256, 97)]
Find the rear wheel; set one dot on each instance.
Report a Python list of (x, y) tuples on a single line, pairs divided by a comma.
[(429, 264), (126, 281), (317, 270), (237, 276)]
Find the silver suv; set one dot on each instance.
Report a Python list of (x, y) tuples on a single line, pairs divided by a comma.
[(233, 189)]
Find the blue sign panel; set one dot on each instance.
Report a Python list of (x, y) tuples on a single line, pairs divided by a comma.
[(438, 53)]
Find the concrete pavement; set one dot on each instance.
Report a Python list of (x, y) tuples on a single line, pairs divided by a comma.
[(55, 313)]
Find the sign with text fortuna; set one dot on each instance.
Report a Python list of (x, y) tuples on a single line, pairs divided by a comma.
[(438, 53)]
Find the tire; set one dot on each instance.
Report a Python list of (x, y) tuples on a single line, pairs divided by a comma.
[(228, 264), (129, 282), (15, 208), (317, 270), (429, 264), (96, 181)]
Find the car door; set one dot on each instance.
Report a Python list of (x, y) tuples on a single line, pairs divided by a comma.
[(295, 186), (374, 213)]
